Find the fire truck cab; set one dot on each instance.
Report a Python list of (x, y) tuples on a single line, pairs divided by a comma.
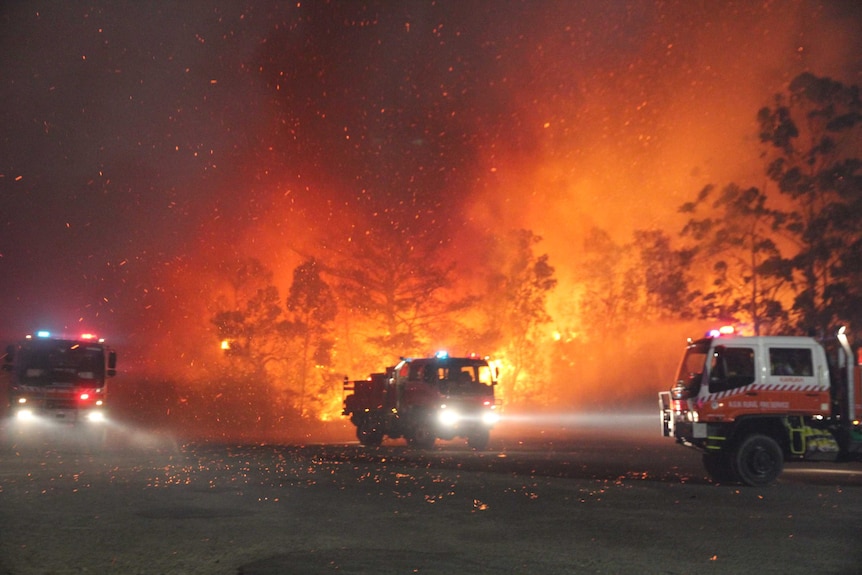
[(61, 379), (752, 403)]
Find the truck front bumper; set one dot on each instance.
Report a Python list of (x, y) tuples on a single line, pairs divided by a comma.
[(71, 416)]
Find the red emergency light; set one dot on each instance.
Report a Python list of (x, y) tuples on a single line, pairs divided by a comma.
[(45, 334)]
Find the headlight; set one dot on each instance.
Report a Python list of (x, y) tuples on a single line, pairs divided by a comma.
[(24, 414), (490, 417), (95, 416), (448, 417)]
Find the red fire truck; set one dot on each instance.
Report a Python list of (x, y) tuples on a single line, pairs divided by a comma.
[(58, 378), (425, 399), (750, 404)]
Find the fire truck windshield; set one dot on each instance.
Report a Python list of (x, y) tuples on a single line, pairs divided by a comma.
[(465, 377), (60, 361), (691, 370), (471, 373), (454, 376)]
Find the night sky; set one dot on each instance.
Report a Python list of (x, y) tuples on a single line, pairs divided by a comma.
[(135, 134)]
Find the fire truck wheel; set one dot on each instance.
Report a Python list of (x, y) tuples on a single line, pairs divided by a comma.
[(758, 460), (369, 432), (719, 467), (478, 440), (422, 437)]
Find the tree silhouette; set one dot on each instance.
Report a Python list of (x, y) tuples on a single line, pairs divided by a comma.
[(662, 273), (602, 296), (750, 276), (399, 283), (791, 260), (250, 321), (812, 137), (645, 280), (516, 302), (312, 306)]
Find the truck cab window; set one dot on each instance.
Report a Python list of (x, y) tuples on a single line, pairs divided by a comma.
[(731, 367), (790, 362)]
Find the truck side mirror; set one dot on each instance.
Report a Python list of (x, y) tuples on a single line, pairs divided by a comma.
[(9, 358), (112, 363)]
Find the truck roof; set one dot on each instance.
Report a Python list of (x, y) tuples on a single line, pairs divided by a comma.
[(786, 340)]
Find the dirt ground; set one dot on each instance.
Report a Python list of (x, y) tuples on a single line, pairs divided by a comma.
[(586, 501)]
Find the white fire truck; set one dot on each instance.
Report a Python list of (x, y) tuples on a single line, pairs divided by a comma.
[(750, 404), (62, 379)]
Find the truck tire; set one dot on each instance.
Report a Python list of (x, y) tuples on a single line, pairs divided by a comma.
[(758, 460), (478, 439), (422, 437), (719, 467), (369, 432)]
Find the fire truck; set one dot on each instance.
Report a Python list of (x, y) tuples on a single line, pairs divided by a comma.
[(424, 399), (752, 403), (62, 379)]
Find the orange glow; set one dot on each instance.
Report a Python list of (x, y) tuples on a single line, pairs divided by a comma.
[(616, 143)]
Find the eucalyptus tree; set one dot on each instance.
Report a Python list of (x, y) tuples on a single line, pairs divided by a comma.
[(735, 238), (663, 274), (813, 139), (642, 281)]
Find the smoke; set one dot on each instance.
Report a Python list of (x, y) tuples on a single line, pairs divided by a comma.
[(609, 117), (143, 146), (110, 435), (622, 141)]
